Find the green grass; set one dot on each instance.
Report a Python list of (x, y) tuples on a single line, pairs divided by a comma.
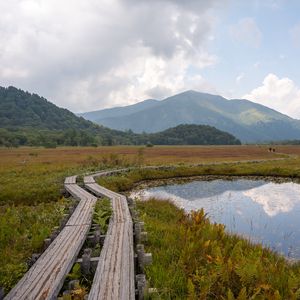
[(194, 259), (23, 229), (102, 214), (36, 176)]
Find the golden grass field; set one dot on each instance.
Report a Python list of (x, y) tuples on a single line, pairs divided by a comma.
[(73, 156), (31, 175)]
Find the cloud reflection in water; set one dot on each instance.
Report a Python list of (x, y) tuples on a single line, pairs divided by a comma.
[(261, 211)]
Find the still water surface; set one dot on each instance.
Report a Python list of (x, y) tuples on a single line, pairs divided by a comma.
[(264, 212)]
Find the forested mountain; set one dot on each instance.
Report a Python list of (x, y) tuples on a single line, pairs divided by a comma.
[(248, 121), (192, 135), (28, 119), (19, 108)]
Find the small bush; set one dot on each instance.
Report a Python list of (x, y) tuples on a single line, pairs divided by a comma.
[(149, 145)]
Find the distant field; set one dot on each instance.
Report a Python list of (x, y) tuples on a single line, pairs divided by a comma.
[(74, 156)]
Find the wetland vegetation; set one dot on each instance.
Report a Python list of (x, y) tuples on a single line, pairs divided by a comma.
[(32, 178), (196, 259), (259, 210)]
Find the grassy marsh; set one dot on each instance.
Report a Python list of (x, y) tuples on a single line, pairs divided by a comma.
[(31, 180), (23, 229), (194, 259)]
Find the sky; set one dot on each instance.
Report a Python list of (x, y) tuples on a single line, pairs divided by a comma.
[(89, 55)]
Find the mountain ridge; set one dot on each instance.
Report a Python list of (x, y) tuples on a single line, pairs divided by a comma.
[(28, 119), (249, 121), (117, 111)]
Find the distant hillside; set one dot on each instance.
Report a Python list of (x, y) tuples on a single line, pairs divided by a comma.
[(19, 108), (115, 112), (28, 119), (192, 135), (248, 121)]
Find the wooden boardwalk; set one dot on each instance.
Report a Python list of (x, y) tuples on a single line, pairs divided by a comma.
[(114, 277), (46, 277)]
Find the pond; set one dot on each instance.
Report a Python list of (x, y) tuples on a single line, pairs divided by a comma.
[(264, 212)]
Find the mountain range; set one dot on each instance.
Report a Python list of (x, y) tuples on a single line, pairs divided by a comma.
[(248, 121), (28, 119)]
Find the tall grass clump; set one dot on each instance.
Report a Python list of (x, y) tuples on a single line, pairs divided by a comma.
[(195, 259), (102, 214)]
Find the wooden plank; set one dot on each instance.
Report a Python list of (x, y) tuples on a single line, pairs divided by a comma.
[(45, 278), (71, 179), (114, 277), (85, 207), (88, 179)]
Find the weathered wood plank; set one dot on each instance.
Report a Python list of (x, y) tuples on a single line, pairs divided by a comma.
[(71, 179), (45, 278), (84, 210), (89, 179), (114, 278)]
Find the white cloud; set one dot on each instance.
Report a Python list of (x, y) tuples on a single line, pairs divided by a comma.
[(281, 94), (274, 198), (282, 199), (247, 32), (98, 53), (148, 76)]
